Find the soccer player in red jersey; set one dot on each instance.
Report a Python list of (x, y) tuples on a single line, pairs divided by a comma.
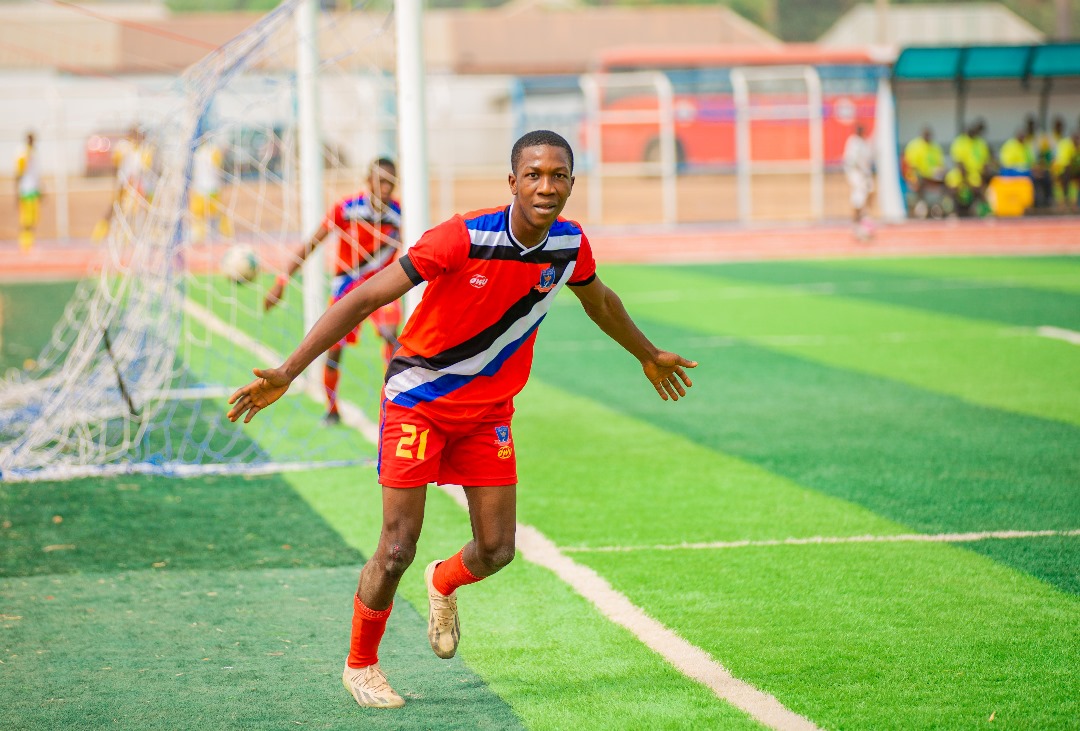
[(447, 404), (367, 225)]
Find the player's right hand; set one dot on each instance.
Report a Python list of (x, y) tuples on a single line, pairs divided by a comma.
[(275, 295), (269, 385)]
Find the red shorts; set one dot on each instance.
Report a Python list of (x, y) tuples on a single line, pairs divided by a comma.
[(415, 449)]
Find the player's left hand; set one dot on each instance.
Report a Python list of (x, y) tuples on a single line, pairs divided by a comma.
[(665, 372), (270, 385)]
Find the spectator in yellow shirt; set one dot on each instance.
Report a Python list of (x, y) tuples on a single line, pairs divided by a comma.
[(1065, 168), (924, 163)]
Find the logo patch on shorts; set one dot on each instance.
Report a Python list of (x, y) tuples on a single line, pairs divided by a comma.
[(478, 280), (547, 280), (502, 441)]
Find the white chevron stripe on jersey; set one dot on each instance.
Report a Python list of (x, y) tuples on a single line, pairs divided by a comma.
[(418, 377)]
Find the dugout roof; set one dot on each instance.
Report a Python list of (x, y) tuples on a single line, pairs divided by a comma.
[(988, 62)]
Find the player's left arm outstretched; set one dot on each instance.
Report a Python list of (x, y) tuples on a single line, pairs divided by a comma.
[(665, 370), (270, 384)]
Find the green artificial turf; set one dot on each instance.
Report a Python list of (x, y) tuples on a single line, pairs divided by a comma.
[(921, 459), (28, 312), (543, 649), (144, 522), (996, 300), (211, 603), (985, 363), (1056, 273), (892, 636)]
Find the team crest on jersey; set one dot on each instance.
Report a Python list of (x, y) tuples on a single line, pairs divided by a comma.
[(502, 441), (547, 280), (478, 280)]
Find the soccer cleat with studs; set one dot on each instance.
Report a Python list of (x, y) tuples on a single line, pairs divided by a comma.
[(444, 630), (369, 687)]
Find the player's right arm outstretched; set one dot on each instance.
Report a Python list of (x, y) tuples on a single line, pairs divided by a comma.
[(345, 314)]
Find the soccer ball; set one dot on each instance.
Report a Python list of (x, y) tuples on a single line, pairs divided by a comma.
[(240, 264)]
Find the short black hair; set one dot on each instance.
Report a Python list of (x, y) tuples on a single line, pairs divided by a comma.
[(535, 139), (385, 163)]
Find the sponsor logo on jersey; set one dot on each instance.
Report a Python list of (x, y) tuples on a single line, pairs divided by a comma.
[(478, 280), (502, 441), (547, 280)]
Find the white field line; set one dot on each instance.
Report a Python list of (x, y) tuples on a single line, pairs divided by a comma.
[(1059, 333), (351, 415), (688, 659), (822, 540)]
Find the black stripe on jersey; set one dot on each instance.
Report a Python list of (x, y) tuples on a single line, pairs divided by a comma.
[(410, 270), (512, 253), (583, 282), (478, 343)]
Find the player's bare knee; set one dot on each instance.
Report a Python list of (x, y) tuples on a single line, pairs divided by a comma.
[(398, 557)]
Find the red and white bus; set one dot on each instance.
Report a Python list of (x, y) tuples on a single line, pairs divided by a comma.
[(704, 104)]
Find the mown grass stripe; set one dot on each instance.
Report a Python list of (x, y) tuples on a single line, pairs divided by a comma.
[(1057, 273), (1031, 375), (934, 463), (970, 298)]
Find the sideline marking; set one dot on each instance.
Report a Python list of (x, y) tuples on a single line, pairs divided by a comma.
[(351, 415), (822, 540), (1059, 333), (688, 659), (536, 548)]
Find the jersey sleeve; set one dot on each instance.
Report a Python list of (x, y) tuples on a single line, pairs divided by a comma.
[(441, 250), (585, 268)]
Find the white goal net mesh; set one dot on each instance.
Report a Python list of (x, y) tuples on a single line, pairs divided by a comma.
[(138, 369)]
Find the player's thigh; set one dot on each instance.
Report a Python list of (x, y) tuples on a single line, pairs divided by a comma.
[(481, 454), (403, 517), (493, 514), (410, 447)]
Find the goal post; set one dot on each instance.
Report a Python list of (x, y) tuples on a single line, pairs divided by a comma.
[(773, 96), (225, 190)]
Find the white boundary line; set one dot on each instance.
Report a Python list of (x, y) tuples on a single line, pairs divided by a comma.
[(688, 659), (1059, 333), (823, 540), (351, 415)]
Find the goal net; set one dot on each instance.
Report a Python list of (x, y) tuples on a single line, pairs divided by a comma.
[(139, 367)]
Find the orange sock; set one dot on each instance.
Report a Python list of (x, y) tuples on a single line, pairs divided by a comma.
[(451, 573), (368, 627), (330, 381)]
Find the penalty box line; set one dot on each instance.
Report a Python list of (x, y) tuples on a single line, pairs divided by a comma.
[(1001, 535)]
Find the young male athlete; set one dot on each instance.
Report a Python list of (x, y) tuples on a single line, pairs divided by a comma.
[(367, 225), (447, 405)]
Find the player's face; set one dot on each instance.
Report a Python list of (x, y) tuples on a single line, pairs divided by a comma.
[(541, 185), (382, 183)]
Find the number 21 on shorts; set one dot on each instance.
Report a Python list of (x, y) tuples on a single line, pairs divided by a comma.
[(408, 439)]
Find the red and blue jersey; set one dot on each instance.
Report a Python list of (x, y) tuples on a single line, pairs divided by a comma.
[(468, 346), (367, 236)]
